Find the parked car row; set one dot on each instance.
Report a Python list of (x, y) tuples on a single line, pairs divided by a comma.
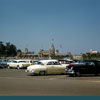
[(74, 68), (20, 63), (40, 67), (45, 67), (13, 63)]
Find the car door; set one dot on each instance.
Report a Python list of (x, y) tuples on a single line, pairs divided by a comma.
[(50, 67), (83, 69), (97, 67), (58, 68), (13, 64), (91, 67)]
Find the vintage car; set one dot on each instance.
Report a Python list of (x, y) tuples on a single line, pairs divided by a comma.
[(1, 66), (3, 63), (20, 64), (10, 61), (44, 67), (65, 62), (87, 67)]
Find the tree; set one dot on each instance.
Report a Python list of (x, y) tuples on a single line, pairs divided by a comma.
[(19, 50), (10, 49), (2, 48), (7, 49), (13, 50)]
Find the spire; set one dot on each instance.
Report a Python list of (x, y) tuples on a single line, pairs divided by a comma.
[(26, 50), (52, 50)]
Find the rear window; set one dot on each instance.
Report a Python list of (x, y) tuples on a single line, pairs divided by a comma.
[(90, 63)]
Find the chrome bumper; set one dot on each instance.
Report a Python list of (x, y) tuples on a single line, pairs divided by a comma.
[(29, 72), (70, 72)]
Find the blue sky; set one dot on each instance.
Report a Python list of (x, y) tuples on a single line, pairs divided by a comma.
[(72, 25)]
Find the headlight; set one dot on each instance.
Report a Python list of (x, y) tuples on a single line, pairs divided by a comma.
[(69, 70)]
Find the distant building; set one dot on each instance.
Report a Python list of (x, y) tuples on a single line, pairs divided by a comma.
[(43, 54), (78, 56), (93, 52)]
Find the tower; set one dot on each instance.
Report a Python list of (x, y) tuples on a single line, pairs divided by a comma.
[(52, 50), (26, 50)]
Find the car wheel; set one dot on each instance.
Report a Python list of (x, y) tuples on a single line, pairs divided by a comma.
[(96, 74), (77, 74), (41, 73), (8, 67), (18, 67), (71, 75)]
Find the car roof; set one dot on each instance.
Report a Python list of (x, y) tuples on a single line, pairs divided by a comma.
[(19, 60), (46, 61)]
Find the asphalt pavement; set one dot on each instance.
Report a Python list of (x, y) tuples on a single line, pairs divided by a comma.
[(15, 82)]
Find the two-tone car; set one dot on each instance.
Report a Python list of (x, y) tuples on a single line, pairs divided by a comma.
[(20, 63), (44, 67)]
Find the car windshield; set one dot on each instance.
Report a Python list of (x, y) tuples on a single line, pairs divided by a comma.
[(90, 63), (53, 63), (39, 63), (14, 61), (21, 61), (27, 61)]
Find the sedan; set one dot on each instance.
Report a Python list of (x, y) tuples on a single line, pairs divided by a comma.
[(45, 67)]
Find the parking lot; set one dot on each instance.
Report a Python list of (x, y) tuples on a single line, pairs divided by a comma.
[(15, 82)]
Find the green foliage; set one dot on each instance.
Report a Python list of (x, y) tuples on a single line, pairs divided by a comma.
[(91, 56), (7, 49)]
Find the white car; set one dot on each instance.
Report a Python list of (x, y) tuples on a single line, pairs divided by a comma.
[(44, 67), (20, 64)]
